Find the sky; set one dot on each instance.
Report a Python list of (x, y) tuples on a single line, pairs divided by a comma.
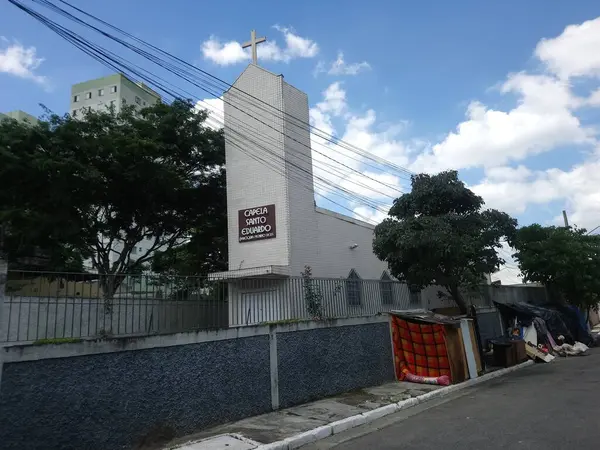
[(508, 93)]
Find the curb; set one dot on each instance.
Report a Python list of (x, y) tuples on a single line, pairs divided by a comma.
[(325, 431)]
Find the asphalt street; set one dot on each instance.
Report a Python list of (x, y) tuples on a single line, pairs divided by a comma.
[(545, 406)]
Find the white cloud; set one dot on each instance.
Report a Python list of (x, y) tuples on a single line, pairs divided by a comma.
[(215, 109), (296, 46), (370, 215), (20, 61), (229, 53), (334, 100), (509, 272), (343, 167), (341, 67), (513, 190), (542, 120), (224, 54), (593, 99), (544, 117), (575, 52), (372, 185)]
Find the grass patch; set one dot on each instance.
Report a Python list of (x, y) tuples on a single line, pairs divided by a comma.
[(57, 341)]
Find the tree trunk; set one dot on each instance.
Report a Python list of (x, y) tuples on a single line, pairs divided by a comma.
[(108, 284), (458, 299)]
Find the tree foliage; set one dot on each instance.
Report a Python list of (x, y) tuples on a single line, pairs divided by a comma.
[(566, 260), (35, 215), (100, 186), (438, 234)]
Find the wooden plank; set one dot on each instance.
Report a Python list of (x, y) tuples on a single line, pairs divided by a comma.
[(475, 347), (456, 355)]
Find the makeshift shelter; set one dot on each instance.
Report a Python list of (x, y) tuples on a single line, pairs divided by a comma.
[(560, 320), (430, 345)]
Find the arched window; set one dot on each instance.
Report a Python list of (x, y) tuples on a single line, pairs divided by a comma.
[(353, 289), (415, 296), (386, 287)]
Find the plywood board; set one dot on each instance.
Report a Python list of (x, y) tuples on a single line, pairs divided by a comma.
[(456, 355)]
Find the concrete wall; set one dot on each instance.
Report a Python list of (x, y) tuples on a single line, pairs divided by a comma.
[(304, 236), (252, 183), (335, 258), (113, 394)]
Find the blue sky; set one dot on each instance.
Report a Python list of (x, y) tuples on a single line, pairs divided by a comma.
[(502, 91)]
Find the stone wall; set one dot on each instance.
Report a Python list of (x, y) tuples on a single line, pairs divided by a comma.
[(320, 363), (115, 394)]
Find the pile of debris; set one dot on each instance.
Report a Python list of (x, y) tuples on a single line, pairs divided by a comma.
[(546, 331)]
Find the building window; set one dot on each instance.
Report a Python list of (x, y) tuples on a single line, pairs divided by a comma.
[(113, 89), (74, 113), (386, 286), (112, 103), (353, 293), (75, 98), (100, 92), (138, 100), (415, 296), (88, 95), (124, 101), (144, 103)]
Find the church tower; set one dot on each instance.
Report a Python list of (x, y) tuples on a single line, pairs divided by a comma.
[(270, 196)]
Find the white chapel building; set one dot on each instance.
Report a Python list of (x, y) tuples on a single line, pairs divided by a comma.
[(275, 228)]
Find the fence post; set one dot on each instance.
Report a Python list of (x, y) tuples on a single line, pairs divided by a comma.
[(3, 281), (274, 363)]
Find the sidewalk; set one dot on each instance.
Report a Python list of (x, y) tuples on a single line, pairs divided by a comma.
[(295, 427), (285, 423)]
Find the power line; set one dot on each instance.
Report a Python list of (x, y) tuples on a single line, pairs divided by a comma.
[(178, 72), (592, 230), (102, 55), (231, 88), (228, 85)]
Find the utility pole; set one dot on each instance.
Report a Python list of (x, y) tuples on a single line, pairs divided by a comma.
[(566, 219)]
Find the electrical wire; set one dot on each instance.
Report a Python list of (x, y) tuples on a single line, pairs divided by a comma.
[(39, 17), (178, 71), (101, 55), (228, 85)]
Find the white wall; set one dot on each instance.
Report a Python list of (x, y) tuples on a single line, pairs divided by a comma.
[(303, 221), (335, 258), (252, 183)]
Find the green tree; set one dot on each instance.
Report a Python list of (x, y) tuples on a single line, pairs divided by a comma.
[(113, 180), (566, 260), (35, 216), (438, 234)]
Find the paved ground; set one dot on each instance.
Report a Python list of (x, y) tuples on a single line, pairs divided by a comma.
[(281, 424), (546, 406)]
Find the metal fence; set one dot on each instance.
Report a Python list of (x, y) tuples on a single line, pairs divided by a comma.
[(67, 305)]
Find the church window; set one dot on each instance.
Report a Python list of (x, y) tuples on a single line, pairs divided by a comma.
[(386, 286), (415, 296), (353, 289)]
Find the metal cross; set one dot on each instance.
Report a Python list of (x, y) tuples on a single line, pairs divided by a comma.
[(253, 42)]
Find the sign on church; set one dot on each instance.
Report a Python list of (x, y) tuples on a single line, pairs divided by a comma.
[(257, 223)]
